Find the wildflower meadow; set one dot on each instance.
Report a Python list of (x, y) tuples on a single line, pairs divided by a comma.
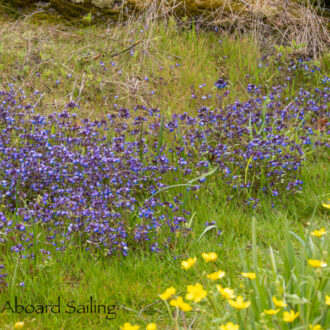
[(155, 174)]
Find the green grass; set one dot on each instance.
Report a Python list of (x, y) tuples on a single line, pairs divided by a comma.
[(133, 283)]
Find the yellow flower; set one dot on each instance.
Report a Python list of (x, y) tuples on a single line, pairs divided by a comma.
[(196, 293), (327, 300), (129, 326), (317, 263), (315, 327), (227, 293), (212, 256), (290, 316), (239, 303), (318, 233), (18, 325), (251, 276), (279, 303), (186, 264), (151, 326), (216, 275), (181, 304), (271, 311), (229, 326), (168, 293), (326, 205)]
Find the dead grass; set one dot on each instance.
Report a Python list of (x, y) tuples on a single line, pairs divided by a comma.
[(269, 21), (158, 66), (159, 63)]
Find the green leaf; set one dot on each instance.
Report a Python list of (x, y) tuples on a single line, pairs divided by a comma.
[(88, 18), (296, 300), (206, 230)]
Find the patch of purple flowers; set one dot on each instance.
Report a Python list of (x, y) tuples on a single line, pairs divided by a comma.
[(103, 183), (221, 83)]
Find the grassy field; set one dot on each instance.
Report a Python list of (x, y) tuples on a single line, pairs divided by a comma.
[(174, 69)]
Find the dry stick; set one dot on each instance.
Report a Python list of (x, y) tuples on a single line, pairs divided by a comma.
[(82, 85), (49, 89), (125, 50), (175, 56), (105, 81), (113, 55), (245, 3), (143, 100), (68, 68), (55, 105), (147, 306), (131, 310), (41, 96), (192, 322), (73, 89)]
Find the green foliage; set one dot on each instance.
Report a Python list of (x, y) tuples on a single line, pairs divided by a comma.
[(135, 282), (88, 18), (289, 50), (288, 280)]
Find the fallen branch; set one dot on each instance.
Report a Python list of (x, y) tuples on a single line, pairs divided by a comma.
[(126, 49)]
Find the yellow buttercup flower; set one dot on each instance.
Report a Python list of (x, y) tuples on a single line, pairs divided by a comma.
[(319, 233), (326, 205), (251, 276), (151, 326), (168, 293), (327, 300), (239, 303), (196, 293), (271, 311), (216, 275), (290, 316), (317, 263), (229, 326), (129, 326), (18, 325), (212, 256), (315, 327), (186, 264), (227, 293), (279, 303), (181, 304)]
